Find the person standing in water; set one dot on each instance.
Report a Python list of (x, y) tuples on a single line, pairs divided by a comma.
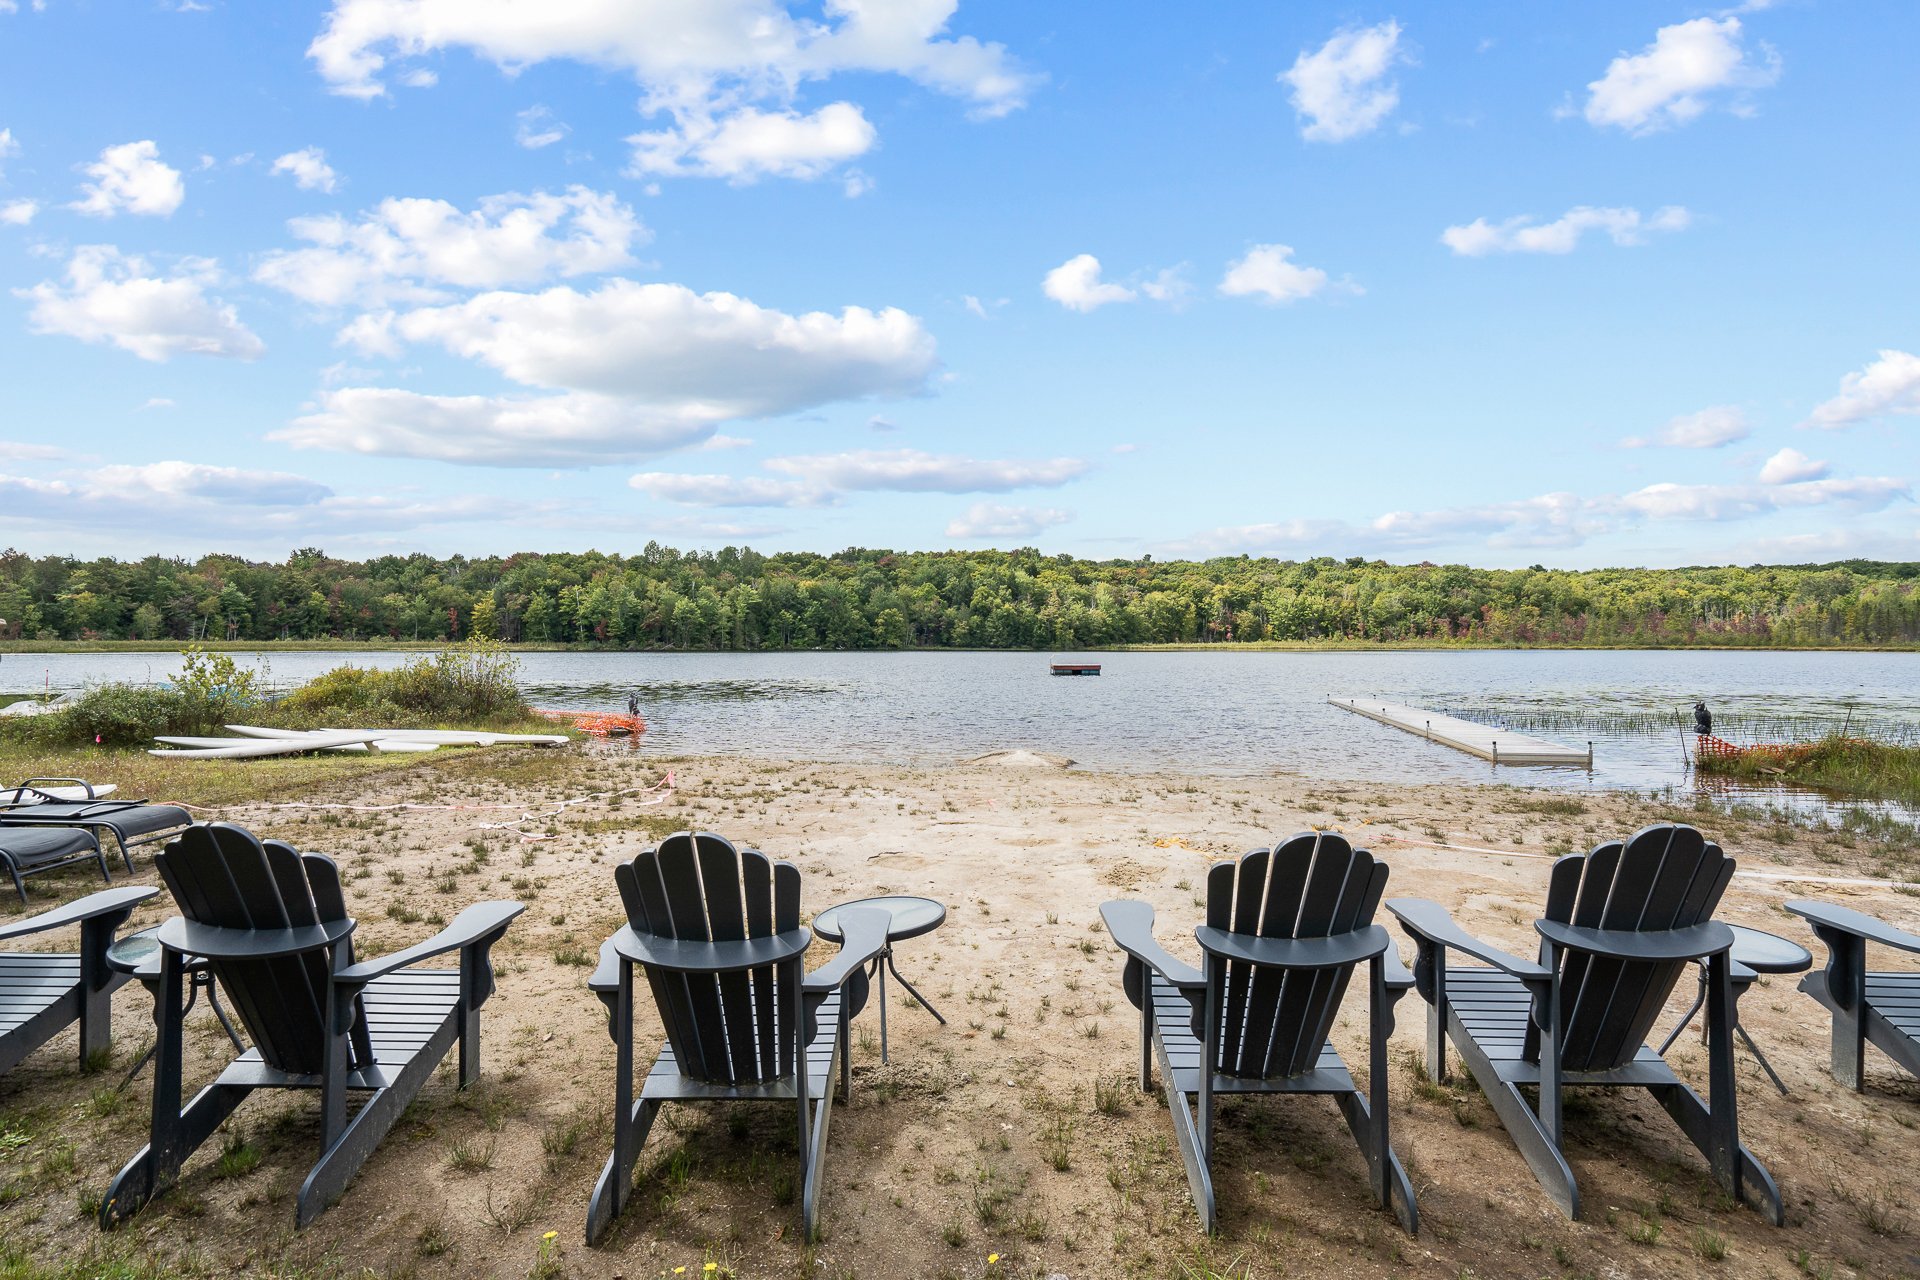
[(1702, 720), (633, 705)]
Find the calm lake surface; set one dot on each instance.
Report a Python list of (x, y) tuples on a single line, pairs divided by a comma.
[(1203, 712)]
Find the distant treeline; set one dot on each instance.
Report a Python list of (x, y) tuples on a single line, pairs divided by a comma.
[(860, 599)]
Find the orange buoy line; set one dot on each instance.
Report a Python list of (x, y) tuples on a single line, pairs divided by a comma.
[(601, 724)]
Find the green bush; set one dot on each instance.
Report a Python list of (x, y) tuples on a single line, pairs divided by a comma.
[(211, 690), (471, 683)]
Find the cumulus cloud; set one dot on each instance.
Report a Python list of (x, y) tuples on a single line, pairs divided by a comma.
[(538, 127), (713, 69), (991, 520), (131, 178), (1345, 87), (1711, 428), (1889, 385), (309, 169), (116, 298), (1688, 67), (640, 368), (1790, 466), (1264, 272), (1526, 235), (751, 144), (415, 250), (18, 213), (1076, 285)]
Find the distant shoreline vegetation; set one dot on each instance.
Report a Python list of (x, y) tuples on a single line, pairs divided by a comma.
[(741, 600)]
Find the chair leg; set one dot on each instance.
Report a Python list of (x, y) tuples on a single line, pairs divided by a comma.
[(1187, 1137), (342, 1157), (157, 1166), (1398, 1188), (1536, 1144), (1755, 1187), (630, 1121), (816, 1156)]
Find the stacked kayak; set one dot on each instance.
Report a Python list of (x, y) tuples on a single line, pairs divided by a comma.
[(254, 742)]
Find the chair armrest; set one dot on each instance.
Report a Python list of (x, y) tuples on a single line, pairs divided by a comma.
[(30, 785), (215, 942), (106, 902), (480, 923), (1695, 942), (606, 975), (1399, 977), (710, 957), (1333, 952), (863, 935), (1430, 924), (1131, 924), (1825, 915)]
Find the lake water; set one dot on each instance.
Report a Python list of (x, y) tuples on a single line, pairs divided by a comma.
[(1206, 712)]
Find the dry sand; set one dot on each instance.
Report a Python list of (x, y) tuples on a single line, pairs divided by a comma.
[(984, 1136)]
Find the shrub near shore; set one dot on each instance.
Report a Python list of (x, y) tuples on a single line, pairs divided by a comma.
[(473, 684), (1849, 766)]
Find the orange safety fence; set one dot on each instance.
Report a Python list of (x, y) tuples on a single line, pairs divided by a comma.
[(601, 724)]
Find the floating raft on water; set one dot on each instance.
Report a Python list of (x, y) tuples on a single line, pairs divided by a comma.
[(1486, 741), (1074, 668)]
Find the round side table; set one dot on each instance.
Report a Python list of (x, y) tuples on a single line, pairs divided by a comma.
[(907, 917), (1759, 952), (138, 954)]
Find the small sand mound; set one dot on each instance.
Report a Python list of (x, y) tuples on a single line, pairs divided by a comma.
[(1022, 759)]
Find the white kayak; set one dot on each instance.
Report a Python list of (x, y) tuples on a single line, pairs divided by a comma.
[(252, 748), (438, 737), (99, 792), (384, 744)]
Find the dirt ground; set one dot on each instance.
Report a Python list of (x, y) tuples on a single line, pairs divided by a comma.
[(1010, 1142)]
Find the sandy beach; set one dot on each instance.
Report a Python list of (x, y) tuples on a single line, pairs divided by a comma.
[(1017, 1129)]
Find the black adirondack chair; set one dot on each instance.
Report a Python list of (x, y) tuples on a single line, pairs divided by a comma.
[(1622, 924), (1285, 930), (27, 851), (717, 930), (42, 993), (273, 926), (1878, 1008), (129, 822)]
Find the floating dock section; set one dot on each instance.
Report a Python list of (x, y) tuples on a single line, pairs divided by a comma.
[(1486, 741)]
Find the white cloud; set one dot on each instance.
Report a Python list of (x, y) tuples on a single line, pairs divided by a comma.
[(991, 520), (9, 147), (113, 297), (1266, 273), (1675, 79), (914, 471), (131, 178), (20, 450), (1552, 520), (18, 213), (751, 144), (1711, 428), (413, 250), (641, 368), (1889, 385), (156, 402), (727, 491), (975, 307), (1790, 466), (820, 479), (575, 429), (1345, 87), (724, 72), (1076, 285), (538, 127), (309, 169), (1526, 235), (716, 443)]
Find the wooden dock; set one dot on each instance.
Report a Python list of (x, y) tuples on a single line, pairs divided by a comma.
[(1501, 746)]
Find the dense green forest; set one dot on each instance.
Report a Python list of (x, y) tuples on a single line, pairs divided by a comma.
[(741, 599)]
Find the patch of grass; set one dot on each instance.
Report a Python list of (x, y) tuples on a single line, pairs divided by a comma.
[(470, 1155), (1112, 1095), (1849, 766), (238, 1157)]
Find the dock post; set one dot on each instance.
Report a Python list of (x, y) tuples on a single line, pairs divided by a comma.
[(1496, 751), (1589, 755)]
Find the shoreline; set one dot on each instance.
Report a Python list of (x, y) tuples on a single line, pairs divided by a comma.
[(1254, 646)]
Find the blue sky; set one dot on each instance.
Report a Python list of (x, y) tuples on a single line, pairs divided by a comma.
[(1503, 284)]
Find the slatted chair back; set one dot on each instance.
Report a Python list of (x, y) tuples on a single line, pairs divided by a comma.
[(1316, 885), (1666, 876), (723, 1028), (223, 875)]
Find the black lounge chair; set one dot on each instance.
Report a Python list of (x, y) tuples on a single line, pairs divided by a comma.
[(273, 927), (1621, 926), (27, 851), (1878, 1008), (129, 822), (42, 993), (1285, 930), (744, 1022)]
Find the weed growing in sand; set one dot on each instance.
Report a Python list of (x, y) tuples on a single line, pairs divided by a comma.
[(1057, 1137), (1111, 1095), (238, 1157), (469, 1155)]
